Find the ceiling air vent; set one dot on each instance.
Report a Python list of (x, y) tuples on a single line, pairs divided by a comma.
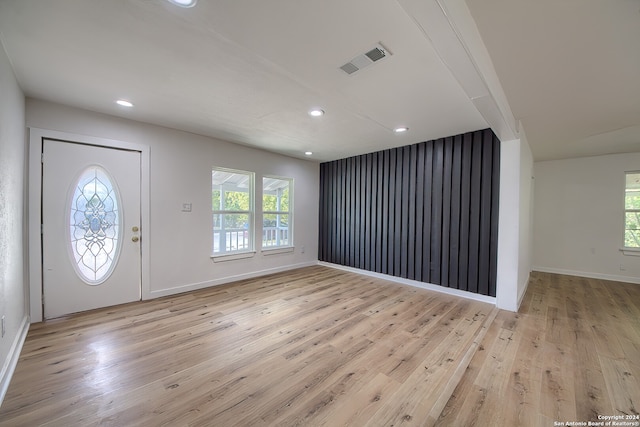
[(349, 68), (365, 59), (376, 54)]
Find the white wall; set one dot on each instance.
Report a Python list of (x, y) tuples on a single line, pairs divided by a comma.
[(579, 217), (514, 230), (526, 202), (179, 243), (13, 276)]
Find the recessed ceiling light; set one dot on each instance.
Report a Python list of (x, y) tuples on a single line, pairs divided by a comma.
[(184, 3), (316, 112), (308, 153), (124, 103), (401, 129)]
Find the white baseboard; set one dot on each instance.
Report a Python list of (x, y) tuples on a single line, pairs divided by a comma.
[(612, 277), (209, 283), (523, 291), (9, 365), (414, 283)]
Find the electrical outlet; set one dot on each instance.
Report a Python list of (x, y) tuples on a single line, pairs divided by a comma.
[(622, 267), (302, 250)]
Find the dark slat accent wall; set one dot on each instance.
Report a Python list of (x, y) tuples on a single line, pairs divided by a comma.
[(427, 212)]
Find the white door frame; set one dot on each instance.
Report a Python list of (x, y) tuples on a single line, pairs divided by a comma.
[(36, 136)]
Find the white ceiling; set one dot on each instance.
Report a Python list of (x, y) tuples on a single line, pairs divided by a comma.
[(570, 70), (249, 71)]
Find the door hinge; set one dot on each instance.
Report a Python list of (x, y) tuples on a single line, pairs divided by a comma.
[(41, 157), (41, 229)]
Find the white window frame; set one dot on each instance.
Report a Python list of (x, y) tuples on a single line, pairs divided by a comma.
[(248, 247), (278, 246), (628, 250)]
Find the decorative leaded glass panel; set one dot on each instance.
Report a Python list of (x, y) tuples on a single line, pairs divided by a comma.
[(94, 225)]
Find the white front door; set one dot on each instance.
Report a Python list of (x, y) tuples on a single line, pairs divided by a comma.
[(90, 227)]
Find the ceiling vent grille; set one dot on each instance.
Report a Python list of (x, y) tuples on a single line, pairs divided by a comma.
[(364, 60), (349, 68), (376, 54)]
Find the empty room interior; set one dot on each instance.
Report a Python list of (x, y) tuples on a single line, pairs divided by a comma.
[(338, 213)]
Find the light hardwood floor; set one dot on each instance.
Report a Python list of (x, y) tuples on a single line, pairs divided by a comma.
[(319, 346), (572, 353)]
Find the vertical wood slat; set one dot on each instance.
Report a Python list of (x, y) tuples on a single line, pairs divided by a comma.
[(385, 212), (484, 261), (436, 210), (366, 212), (454, 241), (410, 224), (474, 214), (398, 241), (495, 206), (428, 212), (353, 211), (378, 211), (446, 211), (419, 197), (347, 213), (465, 203), (391, 243)]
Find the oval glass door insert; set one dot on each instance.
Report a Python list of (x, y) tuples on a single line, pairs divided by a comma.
[(94, 225)]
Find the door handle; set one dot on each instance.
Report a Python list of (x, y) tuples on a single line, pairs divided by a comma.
[(135, 238)]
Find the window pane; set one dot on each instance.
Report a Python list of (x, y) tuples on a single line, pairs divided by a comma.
[(232, 205), (230, 232), (284, 204), (632, 230), (215, 199), (633, 181), (632, 210), (94, 226), (236, 200), (632, 199), (276, 217), (269, 203), (275, 194), (236, 188), (275, 230)]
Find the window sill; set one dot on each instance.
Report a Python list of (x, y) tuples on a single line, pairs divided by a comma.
[(278, 250), (233, 256), (630, 251)]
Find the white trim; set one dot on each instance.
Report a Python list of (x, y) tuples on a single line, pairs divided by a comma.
[(414, 283), (233, 256), (209, 283), (277, 250), (523, 292), (36, 136), (11, 362), (612, 277), (630, 251)]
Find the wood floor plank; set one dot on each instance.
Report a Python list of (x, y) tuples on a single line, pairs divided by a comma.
[(320, 346), (421, 390), (557, 374), (623, 385), (557, 394), (461, 408)]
